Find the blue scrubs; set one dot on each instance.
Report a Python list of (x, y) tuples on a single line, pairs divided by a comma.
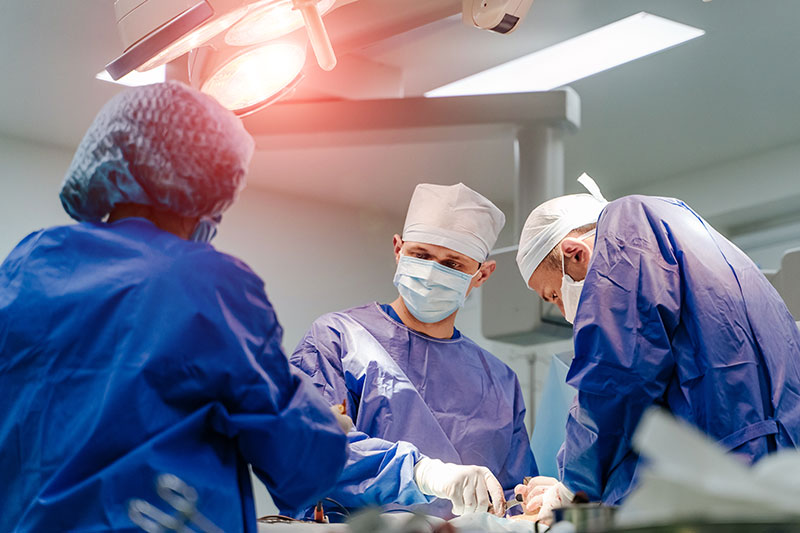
[(127, 352), (673, 314), (408, 394)]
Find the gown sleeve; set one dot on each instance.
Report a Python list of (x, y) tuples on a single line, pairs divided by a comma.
[(377, 472), (623, 362), (281, 424)]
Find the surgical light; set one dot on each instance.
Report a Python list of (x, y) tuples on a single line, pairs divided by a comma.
[(245, 53), (248, 80), (604, 48), (269, 19), (317, 34), (136, 78), (194, 39), (155, 32)]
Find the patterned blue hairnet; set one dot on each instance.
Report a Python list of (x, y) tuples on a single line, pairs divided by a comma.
[(164, 145)]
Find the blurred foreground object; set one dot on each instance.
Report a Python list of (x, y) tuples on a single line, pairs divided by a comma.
[(690, 478)]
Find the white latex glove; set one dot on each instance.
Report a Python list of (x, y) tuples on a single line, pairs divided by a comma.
[(468, 487), (543, 494), (345, 422)]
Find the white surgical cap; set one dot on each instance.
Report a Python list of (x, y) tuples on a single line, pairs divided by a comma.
[(549, 223), (453, 216)]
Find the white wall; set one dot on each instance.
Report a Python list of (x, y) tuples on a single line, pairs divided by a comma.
[(30, 178), (313, 257), (754, 200)]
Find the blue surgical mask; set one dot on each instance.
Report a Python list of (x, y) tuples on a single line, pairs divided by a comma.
[(206, 229), (431, 292)]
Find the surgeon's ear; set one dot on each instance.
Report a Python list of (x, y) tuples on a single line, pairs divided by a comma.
[(397, 241), (576, 251), (486, 270)]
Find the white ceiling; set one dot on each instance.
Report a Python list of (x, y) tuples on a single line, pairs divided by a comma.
[(727, 94), (731, 92)]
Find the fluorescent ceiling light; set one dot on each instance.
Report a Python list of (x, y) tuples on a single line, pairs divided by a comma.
[(136, 78), (601, 49)]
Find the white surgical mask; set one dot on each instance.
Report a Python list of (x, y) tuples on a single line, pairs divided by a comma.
[(431, 291), (571, 289)]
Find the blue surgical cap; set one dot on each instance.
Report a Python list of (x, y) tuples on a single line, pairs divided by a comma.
[(164, 145)]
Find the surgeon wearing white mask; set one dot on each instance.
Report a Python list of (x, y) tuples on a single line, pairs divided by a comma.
[(439, 421), (563, 282), (433, 283), (666, 312)]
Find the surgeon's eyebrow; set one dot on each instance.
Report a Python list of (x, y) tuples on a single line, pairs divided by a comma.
[(418, 250)]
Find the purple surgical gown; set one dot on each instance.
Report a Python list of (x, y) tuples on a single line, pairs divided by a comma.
[(673, 314), (410, 394)]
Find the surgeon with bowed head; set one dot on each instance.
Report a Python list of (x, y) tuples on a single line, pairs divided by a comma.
[(439, 421), (131, 348), (666, 312)]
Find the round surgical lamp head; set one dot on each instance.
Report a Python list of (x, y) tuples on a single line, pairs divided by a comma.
[(269, 19), (155, 32), (246, 80)]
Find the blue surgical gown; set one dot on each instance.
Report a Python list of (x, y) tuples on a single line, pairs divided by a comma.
[(673, 314), (127, 352), (409, 393)]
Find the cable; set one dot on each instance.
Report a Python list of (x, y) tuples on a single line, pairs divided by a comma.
[(339, 505), (277, 519)]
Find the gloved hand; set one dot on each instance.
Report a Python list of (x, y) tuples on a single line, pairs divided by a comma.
[(345, 422), (543, 494), (468, 487)]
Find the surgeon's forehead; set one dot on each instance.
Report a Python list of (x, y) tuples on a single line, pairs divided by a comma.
[(436, 250)]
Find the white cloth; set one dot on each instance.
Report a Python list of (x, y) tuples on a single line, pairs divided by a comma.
[(453, 216), (549, 223)]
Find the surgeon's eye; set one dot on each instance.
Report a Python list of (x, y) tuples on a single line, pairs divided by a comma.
[(452, 264), (421, 255)]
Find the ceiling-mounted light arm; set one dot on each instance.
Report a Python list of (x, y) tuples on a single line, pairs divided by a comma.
[(147, 48), (500, 16), (317, 35)]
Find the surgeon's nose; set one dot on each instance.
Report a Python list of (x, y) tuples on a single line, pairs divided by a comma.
[(560, 304)]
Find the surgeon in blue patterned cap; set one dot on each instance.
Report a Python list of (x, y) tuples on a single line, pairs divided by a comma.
[(132, 352), (163, 150)]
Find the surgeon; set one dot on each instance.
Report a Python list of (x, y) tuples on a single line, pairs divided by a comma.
[(141, 370), (439, 421), (666, 312)]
